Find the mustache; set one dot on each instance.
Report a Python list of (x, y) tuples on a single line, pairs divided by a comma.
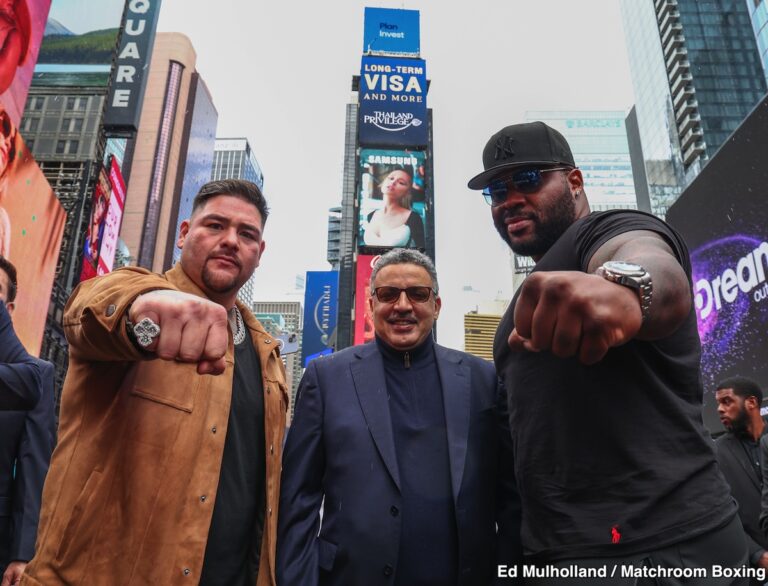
[(229, 257)]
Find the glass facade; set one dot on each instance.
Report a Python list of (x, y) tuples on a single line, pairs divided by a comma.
[(696, 74), (197, 167), (234, 159), (758, 12), (599, 144)]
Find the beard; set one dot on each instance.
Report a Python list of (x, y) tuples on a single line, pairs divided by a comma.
[(740, 425), (545, 232), (218, 284)]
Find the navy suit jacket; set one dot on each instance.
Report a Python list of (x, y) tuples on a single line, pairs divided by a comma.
[(26, 443), (745, 486), (19, 372), (340, 448)]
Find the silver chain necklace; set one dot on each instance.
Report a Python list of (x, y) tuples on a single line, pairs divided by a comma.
[(236, 325)]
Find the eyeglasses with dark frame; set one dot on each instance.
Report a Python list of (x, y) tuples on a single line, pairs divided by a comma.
[(416, 294), (527, 181)]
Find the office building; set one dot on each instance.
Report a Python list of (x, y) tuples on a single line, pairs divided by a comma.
[(696, 73), (286, 316), (480, 328), (233, 158), (758, 13), (333, 256), (163, 162), (599, 144)]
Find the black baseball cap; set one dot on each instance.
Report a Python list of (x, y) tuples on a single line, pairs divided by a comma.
[(522, 145)]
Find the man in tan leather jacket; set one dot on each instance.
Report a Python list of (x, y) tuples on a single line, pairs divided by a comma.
[(167, 469)]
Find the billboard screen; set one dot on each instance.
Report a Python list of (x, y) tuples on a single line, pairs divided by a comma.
[(131, 67), (391, 199), (363, 317), (393, 102), (723, 216), (104, 226), (31, 227), (321, 303), (389, 30), (81, 32), (23, 23)]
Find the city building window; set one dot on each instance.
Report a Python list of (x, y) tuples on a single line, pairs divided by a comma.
[(60, 146), (71, 103)]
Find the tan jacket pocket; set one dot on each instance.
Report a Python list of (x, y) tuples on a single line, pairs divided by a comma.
[(76, 536)]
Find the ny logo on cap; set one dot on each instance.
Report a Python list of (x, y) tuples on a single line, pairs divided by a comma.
[(504, 147)]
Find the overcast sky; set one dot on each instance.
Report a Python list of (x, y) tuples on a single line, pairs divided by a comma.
[(280, 75)]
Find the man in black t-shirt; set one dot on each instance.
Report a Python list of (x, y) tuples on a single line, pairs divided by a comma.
[(599, 353)]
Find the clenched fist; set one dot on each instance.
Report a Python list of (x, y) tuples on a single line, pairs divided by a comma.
[(192, 329), (571, 313)]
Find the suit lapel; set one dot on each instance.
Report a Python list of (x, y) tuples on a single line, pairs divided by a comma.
[(740, 455), (371, 387), (455, 377)]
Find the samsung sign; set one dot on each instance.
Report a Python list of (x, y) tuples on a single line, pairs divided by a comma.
[(393, 101), (130, 71), (391, 31)]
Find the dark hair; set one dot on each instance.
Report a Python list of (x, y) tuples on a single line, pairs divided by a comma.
[(408, 169), (743, 387), (9, 130), (10, 270), (240, 188)]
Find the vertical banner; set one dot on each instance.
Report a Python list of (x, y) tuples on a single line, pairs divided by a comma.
[(113, 219), (321, 302), (363, 318), (393, 102), (133, 57), (391, 199)]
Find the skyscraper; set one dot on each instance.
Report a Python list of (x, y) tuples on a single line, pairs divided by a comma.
[(696, 73), (233, 158), (758, 12), (599, 144)]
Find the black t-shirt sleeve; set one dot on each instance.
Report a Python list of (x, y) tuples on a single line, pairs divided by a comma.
[(597, 229), (416, 225)]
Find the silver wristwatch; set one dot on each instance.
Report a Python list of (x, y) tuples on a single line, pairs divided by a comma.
[(633, 276)]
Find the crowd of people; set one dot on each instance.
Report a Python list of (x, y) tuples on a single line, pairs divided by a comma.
[(580, 450)]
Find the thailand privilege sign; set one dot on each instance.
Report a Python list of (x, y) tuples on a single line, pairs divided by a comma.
[(393, 102), (129, 76)]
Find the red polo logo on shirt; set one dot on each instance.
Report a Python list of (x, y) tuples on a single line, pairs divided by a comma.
[(615, 535)]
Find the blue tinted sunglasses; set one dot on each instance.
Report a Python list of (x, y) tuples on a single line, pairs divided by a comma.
[(526, 181)]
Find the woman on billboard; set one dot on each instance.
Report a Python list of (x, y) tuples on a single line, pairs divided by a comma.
[(396, 224)]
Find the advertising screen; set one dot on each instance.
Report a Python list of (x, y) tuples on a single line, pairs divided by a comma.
[(321, 303), (393, 102), (104, 226), (363, 317), (723, 216), (23, 23), (389, 30), (31, 227), (391, 198)]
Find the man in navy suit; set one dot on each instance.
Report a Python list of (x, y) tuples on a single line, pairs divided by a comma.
[(405, 444), (26, 443)]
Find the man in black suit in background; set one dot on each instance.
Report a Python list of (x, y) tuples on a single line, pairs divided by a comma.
[(738, 453), (26, 443)]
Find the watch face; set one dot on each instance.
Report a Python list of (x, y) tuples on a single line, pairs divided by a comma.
[(625, 268)]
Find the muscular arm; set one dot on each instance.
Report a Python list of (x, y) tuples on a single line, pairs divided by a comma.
[(19, 372), (301, 490), (671, 300), (572, 313)]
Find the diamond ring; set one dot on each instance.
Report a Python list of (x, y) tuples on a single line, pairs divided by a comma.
[(146, 331)]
